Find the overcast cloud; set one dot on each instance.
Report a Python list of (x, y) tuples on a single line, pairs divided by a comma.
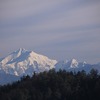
[(59, 29)]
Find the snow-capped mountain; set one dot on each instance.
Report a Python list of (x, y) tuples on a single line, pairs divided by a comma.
[(74, 65), (23, 62)]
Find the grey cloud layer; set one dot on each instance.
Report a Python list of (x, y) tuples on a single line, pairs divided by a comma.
[(62, 26)]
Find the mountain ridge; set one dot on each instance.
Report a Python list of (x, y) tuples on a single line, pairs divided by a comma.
[(19, 62), (23, 62)]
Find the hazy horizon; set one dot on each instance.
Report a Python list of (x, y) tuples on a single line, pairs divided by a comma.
[(59, 29)]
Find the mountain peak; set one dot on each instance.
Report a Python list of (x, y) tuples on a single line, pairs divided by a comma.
[(21, 50), (23, 61), (73, 60), (73, 63)]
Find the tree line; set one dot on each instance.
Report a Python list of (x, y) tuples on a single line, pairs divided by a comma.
[(54, 85)]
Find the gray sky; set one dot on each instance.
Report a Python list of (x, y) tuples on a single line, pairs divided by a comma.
[(59, 29)]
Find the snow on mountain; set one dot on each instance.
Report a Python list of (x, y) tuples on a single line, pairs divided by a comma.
[(69, 65), (74, 65), (23, 62)]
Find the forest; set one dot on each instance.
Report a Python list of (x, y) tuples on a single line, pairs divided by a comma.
[(54, 85)]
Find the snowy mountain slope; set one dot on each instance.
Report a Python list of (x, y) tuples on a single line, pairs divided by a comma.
[(23, 62), (74, 65)]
